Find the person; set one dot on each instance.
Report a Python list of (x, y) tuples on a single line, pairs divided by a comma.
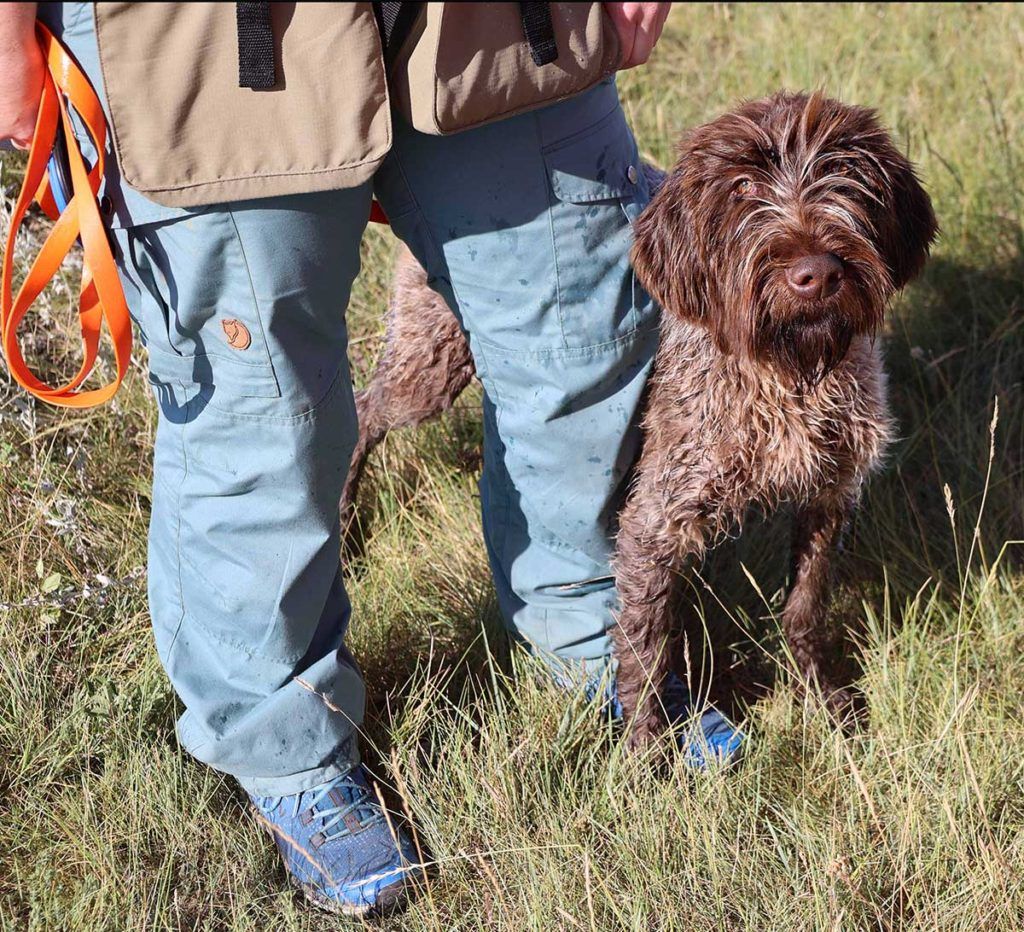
[(523, 225)]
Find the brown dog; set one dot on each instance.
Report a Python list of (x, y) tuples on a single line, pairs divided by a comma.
[(773, 246)]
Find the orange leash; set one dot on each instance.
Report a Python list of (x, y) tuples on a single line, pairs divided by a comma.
[(101, 297)]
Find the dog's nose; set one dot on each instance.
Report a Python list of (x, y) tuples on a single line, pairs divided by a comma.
[(815, 276)]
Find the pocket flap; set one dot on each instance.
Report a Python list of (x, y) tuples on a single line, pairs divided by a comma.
[(601, 165)]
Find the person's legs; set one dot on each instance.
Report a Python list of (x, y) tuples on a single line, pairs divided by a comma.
[(242, 309), (524, 227)]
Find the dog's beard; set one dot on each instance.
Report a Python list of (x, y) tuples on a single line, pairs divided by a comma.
[(807, 349), (807, 342)]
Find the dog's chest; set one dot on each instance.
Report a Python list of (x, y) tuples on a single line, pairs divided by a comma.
[(743, 437), (788, 446), (796, 445)]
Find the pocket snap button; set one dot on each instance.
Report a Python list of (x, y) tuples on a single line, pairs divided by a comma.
[(631, 174)]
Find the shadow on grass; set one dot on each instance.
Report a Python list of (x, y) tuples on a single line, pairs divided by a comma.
[(453, 441)]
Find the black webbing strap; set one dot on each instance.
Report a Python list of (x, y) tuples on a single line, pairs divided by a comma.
[(539, 32), (255, 46)]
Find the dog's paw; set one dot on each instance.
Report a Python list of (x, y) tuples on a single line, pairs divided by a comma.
[(643, 734), (847, 704)]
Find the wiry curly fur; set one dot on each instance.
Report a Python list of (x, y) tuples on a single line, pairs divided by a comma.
[(758, 396)]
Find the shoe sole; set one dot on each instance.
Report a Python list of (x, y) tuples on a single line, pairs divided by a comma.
[(389, 900)]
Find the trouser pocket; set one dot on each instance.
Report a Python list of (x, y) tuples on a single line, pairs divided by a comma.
[(597, 190), (197, 313), (567, 421)]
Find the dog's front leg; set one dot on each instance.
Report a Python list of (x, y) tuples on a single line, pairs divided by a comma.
[(642, 648), (647, 564), (815, 538)]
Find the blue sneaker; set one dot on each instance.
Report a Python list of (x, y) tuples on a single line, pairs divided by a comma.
[(338, 848), (711, 741)]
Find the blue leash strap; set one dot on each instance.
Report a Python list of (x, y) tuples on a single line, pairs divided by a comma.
[(59, 170)]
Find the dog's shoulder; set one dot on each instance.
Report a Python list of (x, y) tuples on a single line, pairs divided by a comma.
[(741, 419)]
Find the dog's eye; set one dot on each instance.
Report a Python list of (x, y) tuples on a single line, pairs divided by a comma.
[(743, 187), (845, 166)]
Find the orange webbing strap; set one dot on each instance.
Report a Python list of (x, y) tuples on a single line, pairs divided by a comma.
[(101, 296)]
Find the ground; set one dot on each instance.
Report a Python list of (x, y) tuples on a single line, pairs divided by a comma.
[(534, 818)]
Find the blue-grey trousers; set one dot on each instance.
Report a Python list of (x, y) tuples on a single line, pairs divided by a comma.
[(524, 227)]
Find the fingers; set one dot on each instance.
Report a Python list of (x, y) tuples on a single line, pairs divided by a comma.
[(22, 73), (649, 31), (20, 133), (18, 137), (643, 45), (21, 136), (627, 42), (639, 27), (625, 30)]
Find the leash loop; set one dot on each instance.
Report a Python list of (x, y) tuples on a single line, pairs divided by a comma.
[(101, 296)]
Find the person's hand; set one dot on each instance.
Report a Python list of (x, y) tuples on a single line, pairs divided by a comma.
[(639, 26), (21, 73)]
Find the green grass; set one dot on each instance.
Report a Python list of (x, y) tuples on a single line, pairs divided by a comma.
[(535, 819)]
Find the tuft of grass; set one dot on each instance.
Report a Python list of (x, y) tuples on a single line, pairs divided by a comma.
[(520, 797)]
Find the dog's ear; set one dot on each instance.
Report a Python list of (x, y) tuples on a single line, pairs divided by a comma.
[(664, 252), (912, 226)]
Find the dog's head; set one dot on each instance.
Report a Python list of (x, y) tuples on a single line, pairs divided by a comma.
[(784, 228)]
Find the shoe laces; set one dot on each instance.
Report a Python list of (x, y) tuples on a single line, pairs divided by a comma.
[(332, 818)]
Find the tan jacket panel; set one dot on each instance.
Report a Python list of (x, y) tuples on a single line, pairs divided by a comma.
[(471, 65), (187, 134)]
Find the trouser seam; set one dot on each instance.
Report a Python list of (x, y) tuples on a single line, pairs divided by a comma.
[(476, 346), (177, 536), (551, 230), (506, 504), (236, 645), (252, 291)]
